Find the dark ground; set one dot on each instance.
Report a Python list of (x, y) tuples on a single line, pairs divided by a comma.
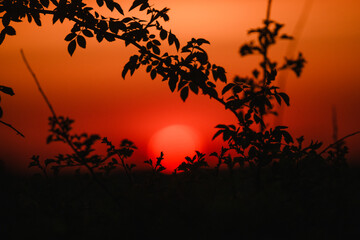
[(313, 204)]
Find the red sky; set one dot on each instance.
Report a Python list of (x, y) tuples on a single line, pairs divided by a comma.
[(88, 86)]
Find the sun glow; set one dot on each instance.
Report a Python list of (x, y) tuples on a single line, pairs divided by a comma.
[(176, 142)]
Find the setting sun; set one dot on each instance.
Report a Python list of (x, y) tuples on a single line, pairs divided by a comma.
[(176, 142)]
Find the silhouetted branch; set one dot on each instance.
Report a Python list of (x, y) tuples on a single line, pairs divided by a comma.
[(92, 27), (8, 125), (268, 11), (66, 137), (38, 84), (339, 141)]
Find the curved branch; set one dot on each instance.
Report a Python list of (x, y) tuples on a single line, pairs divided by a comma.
[(9, 125), (51, 12), (339, 141), (81, 160)]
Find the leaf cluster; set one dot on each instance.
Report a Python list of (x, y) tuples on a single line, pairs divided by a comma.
[(157, 166), (83, 148), (193, 164), (248, 142)]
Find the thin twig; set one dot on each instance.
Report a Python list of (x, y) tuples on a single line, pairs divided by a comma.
[(9, 125), (68, 141), (38, 84), (339, 141), (268, 11)]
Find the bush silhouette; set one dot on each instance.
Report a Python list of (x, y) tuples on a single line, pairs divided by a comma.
[(249, 142), (252, 149)]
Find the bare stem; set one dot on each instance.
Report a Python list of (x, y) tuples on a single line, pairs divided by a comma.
[(8, 125), (38, 84), (268, 11), (81, 160), (339, 141)]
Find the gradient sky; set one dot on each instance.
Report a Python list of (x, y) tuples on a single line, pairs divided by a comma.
[(88, 86)]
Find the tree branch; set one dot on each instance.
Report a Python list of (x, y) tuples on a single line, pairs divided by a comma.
[(8, 125), (339, 141), (81, 159)]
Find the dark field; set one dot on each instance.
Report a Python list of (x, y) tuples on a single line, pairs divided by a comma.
[(316, 203)]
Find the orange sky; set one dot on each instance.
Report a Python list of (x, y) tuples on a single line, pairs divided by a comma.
[(88, 86)]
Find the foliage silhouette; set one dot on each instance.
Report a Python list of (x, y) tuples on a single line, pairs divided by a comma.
[(191, 165), (156, 167), (81, 146), (248, 98), (253, 149)]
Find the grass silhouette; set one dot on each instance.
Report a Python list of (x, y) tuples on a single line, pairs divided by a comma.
[(275, 186)]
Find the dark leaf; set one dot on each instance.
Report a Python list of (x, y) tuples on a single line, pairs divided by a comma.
[(156, 49), (6, 19), (118, 8), (171, 38), (287, 137), (100, 2), (156, 42), (165, 17), (144, 6), (29, 17), (109, 37), (285, 97), (222, 74), (153, 74), (99, 37), (114, 27), (10, 30), (110, 4), (163, 34), (217, 134), (72, 47), (189, 159), (55, 17), (125, 70), (127, 19), (148, 68), (81, 41), (137, 3), (194, 87), (215, 73), (87, 33), (227, 88), (70, 36), (37, 20), (201, 41), (7, 90), (184, 93), (2, 36), (172, 83), (278, 98)]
